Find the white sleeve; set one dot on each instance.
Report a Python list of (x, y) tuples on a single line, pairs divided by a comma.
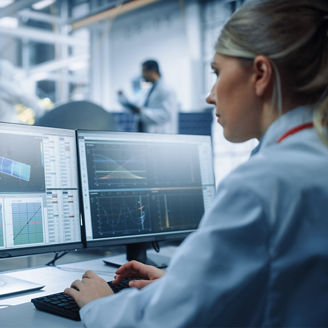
[(211, 277), (161, 109)]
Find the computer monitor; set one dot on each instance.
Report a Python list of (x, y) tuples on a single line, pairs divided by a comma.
[(139, 188), (39, 191)]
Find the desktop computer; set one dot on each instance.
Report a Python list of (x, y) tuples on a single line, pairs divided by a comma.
[(139, 188), (39, 194), (136, 188)]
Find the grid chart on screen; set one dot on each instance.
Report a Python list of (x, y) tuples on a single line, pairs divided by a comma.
[(27, 223), (39, 190)]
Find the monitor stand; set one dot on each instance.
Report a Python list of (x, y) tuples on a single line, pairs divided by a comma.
[(10, 285), (138, 252)]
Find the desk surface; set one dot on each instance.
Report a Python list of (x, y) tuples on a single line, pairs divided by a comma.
[(18, 311)]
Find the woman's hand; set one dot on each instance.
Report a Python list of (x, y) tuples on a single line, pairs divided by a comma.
[(88, 289), (140, 270)]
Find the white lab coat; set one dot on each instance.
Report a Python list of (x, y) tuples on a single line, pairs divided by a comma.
[(260, 255), (160, 115)]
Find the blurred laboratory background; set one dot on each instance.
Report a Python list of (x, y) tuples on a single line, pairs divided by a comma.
[(74, 55)]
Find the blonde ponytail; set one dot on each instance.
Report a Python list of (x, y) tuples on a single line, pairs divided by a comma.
[(293, 34)]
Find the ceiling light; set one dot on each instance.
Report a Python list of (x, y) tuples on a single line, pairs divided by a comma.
[(5, 3), (77, 66), (10, 22), (42, 4), (39, 76)]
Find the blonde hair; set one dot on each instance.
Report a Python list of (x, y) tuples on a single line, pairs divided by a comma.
[(293, 34)]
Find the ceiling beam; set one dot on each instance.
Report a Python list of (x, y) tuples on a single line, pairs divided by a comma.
[(110, 13), (40, 17), (50, 70), (42, 36), (16, 6), (59, 78), (54, 65)]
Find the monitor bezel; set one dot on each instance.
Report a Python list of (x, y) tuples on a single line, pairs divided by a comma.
[(132, 239), (49, 248)]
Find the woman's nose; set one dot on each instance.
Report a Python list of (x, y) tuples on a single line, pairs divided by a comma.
[(210, 98)]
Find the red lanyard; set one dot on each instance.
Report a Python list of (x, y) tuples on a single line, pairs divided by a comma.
[(298, 128)]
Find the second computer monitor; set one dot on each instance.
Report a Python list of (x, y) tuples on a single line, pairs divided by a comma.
[(143, 187), (39, 192)]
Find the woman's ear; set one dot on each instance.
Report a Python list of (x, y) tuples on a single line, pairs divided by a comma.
[(263, 75)]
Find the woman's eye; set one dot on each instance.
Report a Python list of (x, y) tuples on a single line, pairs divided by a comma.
[(216, 72)]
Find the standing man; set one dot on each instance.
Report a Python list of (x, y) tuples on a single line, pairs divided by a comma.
[(158, 110)]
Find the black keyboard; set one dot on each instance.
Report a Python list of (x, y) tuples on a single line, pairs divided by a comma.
[(64, 305)]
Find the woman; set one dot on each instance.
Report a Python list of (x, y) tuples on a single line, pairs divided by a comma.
[(260, 255)]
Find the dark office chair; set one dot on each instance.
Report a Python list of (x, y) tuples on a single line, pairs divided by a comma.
[(83, 115)]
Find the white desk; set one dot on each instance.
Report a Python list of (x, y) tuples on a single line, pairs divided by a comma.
[(17, 311)]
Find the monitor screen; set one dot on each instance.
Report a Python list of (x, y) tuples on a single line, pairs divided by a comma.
[(139, 187), (39, 194)]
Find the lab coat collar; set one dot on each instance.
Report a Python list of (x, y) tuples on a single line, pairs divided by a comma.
[(284, 123)]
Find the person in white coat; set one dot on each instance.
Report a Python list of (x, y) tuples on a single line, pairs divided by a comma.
[(260, 255), (157, 112)]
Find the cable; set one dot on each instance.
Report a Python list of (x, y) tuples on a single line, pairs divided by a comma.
[(155, 246), (57, 256)]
